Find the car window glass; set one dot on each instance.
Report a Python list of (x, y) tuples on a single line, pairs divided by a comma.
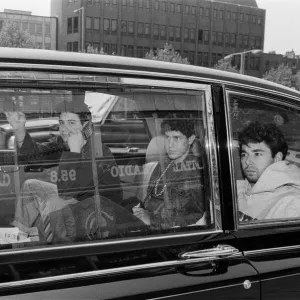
[(97, 164), (266, 158)]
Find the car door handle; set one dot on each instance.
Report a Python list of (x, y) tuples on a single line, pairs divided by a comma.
[(220, 251)]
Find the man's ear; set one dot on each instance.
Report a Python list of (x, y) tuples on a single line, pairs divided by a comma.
[(191, 139), (278, 156)]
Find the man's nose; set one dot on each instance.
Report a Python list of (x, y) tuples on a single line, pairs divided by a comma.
[(248, 160)]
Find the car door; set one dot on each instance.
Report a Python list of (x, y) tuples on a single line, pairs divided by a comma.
[(270, 243), (184, 260)]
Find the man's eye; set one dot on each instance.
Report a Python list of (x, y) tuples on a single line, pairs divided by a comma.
[(243, 155)]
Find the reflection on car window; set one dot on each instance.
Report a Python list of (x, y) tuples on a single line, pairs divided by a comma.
[(82, 165), (266, 159)]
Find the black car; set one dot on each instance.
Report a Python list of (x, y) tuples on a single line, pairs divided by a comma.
[(221, 250)]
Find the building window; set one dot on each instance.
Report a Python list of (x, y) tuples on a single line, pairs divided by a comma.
[(124, 2), (48, 46), (220, 38), (147, 29), (233, 16), (114, 26), (193, 10), (131, 3), (228, 15), (162, 32), (155, 31), (114, 49), (246, 41), (25, 26), (130, 51), (205, 58), (130, 27), (240, 40), (106, 25), (206, 37), (233, 39), (178, 8), (247, 18), (88, 23), (106, 48), (140, 29), (172, 8), (69, 46), (171, 33), (178, 34), (241, 17), (207, 13), (140, 52), (96, 46), (213, 59), (107, 2), (123, 27), (75, 28), (215, 14), (163, 6), (199, 58), (70, 1), (146, 50), (141, 3), (258, 42), (192, 57), (187, 9), (252, 41), (147, 4), (96, 24), (221, 14), (200, 36), (253, 19), (156, 5), (124, 50), (259, 20), (75, 47), (214, 38), (201, 13), (192, 35), (227, 39), (97, 2), (38, 28), (69, 26), (186, 34)]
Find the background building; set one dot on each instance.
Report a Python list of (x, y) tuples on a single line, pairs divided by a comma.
[(42, 29), (202, 30)]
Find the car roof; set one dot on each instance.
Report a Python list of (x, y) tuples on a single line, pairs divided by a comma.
[(60, 58)]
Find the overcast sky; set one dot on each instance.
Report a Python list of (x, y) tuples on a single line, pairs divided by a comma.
[(282, 21)]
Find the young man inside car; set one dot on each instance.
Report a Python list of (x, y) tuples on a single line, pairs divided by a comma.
[(271, 188), (63, 208), (174, 195)]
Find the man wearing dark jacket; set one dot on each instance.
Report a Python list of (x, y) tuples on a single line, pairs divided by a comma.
[(64, 209)]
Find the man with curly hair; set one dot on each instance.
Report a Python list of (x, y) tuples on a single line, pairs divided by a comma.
[(174, 196), (271, 188)]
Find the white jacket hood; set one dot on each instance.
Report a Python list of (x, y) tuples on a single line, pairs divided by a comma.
[(276, 175)]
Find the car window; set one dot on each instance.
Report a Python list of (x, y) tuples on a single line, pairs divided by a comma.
[(106, 163), (265, 154)]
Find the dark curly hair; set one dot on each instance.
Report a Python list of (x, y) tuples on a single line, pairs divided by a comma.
[(256, 132), (185, 126)]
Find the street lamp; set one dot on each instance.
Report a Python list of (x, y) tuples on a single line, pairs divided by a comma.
[(242, 54), (82, 25)]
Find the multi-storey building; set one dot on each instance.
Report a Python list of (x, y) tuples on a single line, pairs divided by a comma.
[(202, 30), (42, 29)]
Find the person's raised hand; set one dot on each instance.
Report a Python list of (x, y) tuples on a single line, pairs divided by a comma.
[(16, 119)]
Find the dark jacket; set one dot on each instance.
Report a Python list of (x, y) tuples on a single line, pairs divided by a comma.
[(74, 177)]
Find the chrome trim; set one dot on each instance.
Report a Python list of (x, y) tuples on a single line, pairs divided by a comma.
[(278, 277), (212, 155), (8, 172), (271, 250), (230, 156), (95, 244), (113, 271), (54, 68), (204, 290)]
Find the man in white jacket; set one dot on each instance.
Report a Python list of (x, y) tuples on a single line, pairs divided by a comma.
[(271, 189)]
